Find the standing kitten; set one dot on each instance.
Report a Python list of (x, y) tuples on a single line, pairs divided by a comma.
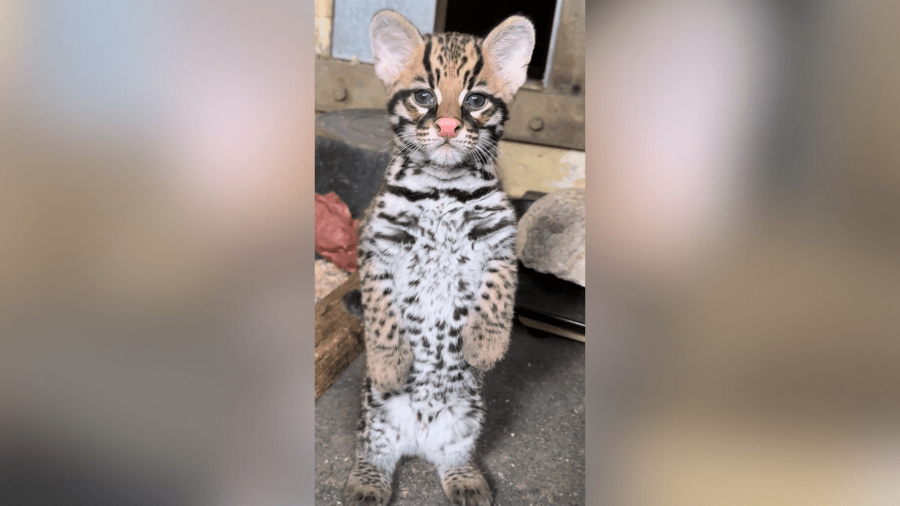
[(437, 254)]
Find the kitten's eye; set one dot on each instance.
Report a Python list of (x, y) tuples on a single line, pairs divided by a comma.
[(424, 97), (475, 101)]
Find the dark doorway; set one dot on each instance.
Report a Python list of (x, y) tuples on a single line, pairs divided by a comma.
[(479, 17)]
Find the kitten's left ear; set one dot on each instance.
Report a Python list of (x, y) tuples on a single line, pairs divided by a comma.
[(509, 47)]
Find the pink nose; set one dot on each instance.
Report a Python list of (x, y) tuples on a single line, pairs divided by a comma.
[(448, 126)]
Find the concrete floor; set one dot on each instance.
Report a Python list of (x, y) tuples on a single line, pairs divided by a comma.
[(532, 446)]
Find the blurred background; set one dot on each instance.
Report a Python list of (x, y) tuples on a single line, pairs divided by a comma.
[(744, 181), (153, 168)]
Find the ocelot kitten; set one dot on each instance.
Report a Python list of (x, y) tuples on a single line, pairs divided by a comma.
[(437, 254)]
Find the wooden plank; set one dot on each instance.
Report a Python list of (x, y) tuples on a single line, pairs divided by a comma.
[(566, 74), (552, 329), (338, 336)]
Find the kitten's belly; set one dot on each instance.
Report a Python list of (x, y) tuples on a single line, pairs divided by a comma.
[(436, 431), (439, 276)]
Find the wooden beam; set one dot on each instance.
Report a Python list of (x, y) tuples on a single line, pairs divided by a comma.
[(338, 336), (536, 116)]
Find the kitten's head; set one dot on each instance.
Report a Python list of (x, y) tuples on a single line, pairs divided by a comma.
[(449, 92)]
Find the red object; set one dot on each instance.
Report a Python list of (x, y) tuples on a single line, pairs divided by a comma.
[(336, 231), (448, 127)]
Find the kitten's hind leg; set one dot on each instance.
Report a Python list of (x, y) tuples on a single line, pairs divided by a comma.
[(377, 454), (369, 484), (465, 486)]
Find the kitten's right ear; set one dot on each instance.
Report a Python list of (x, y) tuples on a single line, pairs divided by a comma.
[(394, 39)]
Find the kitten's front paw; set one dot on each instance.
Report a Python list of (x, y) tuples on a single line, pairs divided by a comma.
[(481, 348), (478, 362), (389, 368)]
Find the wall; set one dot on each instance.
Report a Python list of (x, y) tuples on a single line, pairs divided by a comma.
[(324, 14)]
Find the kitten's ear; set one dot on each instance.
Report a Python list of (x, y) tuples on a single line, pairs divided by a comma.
[(393, 41), (509, 48)]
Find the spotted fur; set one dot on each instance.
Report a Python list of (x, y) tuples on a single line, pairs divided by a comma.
[(437, 254)]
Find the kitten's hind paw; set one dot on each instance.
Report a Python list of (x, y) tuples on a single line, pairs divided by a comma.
[(368, 485), (358, 494), (465, 486)]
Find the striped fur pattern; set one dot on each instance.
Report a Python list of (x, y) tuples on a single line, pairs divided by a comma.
[(437, 254)]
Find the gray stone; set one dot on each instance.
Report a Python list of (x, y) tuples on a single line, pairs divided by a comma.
[(550, 237)]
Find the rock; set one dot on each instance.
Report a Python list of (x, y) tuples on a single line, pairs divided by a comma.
[(550, 236)]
